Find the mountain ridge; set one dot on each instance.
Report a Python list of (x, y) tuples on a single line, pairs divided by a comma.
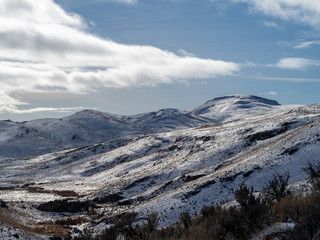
[(39, 136), (165, 172)]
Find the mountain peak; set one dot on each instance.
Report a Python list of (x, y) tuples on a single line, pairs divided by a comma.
[(244, 97), (234, 106)]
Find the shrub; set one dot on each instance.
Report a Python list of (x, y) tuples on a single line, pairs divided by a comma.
[(145, 230), (313, 172), (276, 188), (207, 211), (253, 208), (289, 207), (185, 219), (122, 226), (308, 220), (152, 222)]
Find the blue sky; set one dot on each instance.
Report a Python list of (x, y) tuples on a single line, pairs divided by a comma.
[(126, 57)]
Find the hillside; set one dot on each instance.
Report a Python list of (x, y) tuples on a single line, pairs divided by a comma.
[(166, 172), (25, 139), (234, 107)]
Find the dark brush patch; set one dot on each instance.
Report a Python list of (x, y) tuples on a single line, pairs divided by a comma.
[(127, 202), (259, 136), (291, 151), (135, 183), (111, 198), (65, 206), (198, 189), (190, 178), (247, 174), (231, 178), (3, 204), (218, 167), (206, 138)]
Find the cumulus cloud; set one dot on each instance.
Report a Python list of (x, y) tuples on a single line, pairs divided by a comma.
[(297, 63), (43, 48), (306, 11)]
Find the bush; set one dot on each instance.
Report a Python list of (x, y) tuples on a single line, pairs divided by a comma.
[(122, 226), (313, 172), (290, 207), (185, 219), (145, 230), (253, 209), (252, 215), (207, 211), (276, 188)]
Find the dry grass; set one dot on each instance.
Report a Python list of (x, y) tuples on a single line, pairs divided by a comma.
[(13, 219)]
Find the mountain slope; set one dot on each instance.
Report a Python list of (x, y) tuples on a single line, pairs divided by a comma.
[(170, 172), (47, 135), (87, 127), (233, 107), (166, 120)]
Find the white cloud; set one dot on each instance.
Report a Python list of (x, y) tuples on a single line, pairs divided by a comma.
[(272, 93), (45, 49), (271, 24), (297, 63), (301, 11), (16, 110), (121, 1), (185, 53), (289, 79), (307, 44)]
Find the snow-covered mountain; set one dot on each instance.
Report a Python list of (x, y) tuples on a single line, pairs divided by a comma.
[(165, 172), (47, 135), (166, 120), (87, 127), (236, 107)]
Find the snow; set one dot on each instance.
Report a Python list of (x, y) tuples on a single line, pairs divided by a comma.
[(26, 139), (176, 171), (9, 233), (277, 227), (237, 107)]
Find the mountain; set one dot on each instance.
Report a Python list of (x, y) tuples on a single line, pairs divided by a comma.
[(48, 135), (166, 120), (233, 107), (165, 172), (88, 127)]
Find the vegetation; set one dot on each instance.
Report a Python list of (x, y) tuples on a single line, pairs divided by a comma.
[(313, 172), (276, 188), (251, 215)]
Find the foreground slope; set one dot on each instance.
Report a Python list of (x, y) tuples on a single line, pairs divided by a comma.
[(169, 172)]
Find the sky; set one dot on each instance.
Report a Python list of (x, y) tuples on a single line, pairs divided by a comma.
[(133, 56)]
